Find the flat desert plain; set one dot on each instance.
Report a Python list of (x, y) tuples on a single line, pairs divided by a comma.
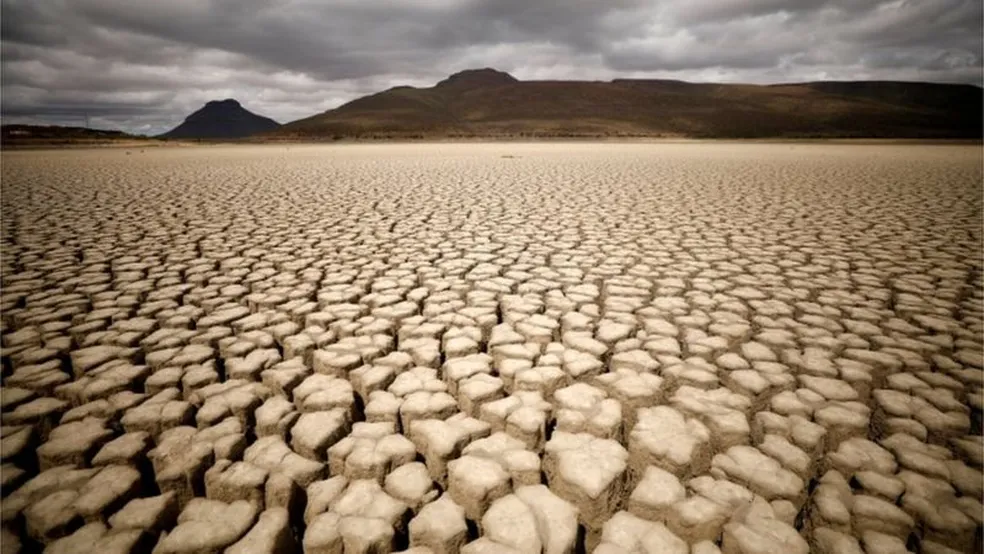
[(493, 348)]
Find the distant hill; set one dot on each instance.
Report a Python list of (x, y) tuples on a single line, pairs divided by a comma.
[(490, 103), (221, 119), (21, 132), (19, 136)]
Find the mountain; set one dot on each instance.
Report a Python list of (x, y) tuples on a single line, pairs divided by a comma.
[(221, 119), (490, 103), (19, 135)]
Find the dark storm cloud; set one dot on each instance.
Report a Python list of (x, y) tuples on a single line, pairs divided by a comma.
[(144, 64)]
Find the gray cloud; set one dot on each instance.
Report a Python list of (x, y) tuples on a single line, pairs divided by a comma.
[(142, 65)]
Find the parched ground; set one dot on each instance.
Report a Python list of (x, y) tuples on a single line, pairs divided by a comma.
[(612, 348)]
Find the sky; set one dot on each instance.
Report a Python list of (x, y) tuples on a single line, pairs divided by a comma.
[(143, 65)]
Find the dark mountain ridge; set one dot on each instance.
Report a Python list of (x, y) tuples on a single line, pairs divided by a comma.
[(490, 103), (221, 119)]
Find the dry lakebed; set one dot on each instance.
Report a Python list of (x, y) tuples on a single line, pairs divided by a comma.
[(691, 347)]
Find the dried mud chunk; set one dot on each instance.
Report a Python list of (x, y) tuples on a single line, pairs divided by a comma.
[(276, 416), (417, 379), (62, 478), (384, 407), (581, 365), (655, 494), (588, 472), (180, 463), (208, 526), (456, 370), (475, 391), (663, 437), (315, 432), (235, 398), (270, 535), (474, 483), (229, 481), (225, 316), (933, 547), (11, 477), (153, 514), (861, 454), (11, 397), (423, 405), (722, 411), (18, 443), (158, 414), (633, 390), (362, 517), (82, 540), (508, 521), (320, 496), (85, 359), (582, 408), (966, 479), (272, 454), (532, 519), (321, 392), (411, 484), (426, 352), (192, 354), (487, 546), (52, 516), (876, 484), (109, 408), (806, 435), (829, 541), (522, 465), (335, 362), (103, 382), (42, 413), (755, 529), (251, 366), (106, 492), (843, 421), (831, 503), (370, 451), (626, 533), (322, 535), (942, 518), (438, 441), (73, 443), (875, 514), (132, 541), (701, 516), (880, 543), (691, 373), (831, 389), (283, 377), (370, 378), (523, 415), (440, 526), (970, 448), (789, 455)]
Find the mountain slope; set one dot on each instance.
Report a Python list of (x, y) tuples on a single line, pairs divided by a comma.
[(222, 119), (490, 103), (39, 136)]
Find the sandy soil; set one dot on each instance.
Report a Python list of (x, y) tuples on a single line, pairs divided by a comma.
[(441, 348)]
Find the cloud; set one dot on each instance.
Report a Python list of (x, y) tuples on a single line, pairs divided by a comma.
[(143, 65)]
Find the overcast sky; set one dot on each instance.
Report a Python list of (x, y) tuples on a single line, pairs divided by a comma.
[(143, 65)]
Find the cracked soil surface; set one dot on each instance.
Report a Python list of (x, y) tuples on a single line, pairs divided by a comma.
[(485, 348)]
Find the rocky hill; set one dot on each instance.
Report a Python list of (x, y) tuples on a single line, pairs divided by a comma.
[(221, 119), (490, 103)]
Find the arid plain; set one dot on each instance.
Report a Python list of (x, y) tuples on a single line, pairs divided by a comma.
[(481, 348)]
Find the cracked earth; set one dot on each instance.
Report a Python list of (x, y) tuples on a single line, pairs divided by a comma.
[(558, 348)]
